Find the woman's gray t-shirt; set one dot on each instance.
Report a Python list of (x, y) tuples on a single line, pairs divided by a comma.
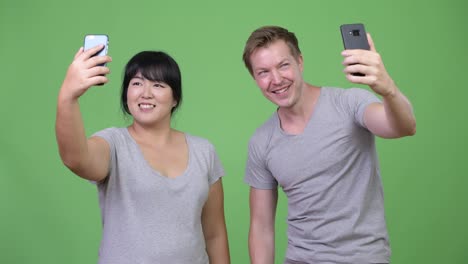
[(150, 218)]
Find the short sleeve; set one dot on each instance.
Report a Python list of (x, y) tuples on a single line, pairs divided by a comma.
[(216, 168), (357, 100), (257, 174), (109, 135)]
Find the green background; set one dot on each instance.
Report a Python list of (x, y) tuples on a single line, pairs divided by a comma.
[(48, 215)]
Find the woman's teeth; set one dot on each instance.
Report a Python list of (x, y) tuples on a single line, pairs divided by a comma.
[(146, 106)]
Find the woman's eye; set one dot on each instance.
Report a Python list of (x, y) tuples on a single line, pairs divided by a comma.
[(158, 85), (136, 83)]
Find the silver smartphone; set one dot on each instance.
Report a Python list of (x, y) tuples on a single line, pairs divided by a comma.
[(93, 40)]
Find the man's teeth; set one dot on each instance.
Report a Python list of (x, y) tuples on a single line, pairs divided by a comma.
[(147, 106), (280, 91)]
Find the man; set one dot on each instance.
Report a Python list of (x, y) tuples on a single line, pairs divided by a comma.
[(319, 147)]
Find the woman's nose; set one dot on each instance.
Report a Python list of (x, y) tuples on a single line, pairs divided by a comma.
[(147, 92)]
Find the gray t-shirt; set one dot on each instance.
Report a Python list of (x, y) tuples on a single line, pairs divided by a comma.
[(150, 218), (330, 175)]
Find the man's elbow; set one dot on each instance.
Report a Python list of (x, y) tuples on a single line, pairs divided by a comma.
[(411, 130), (400, 132)]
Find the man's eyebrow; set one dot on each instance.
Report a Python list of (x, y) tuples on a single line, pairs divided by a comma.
[(260, 69), (279, 63)]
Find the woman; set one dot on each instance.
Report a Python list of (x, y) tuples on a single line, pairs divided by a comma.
[(160, 189)]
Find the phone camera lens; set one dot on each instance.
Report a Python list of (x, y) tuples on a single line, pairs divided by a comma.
[(354, 32)]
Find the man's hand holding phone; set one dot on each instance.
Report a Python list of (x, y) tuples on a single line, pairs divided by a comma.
[(362, 63), (354, 38)]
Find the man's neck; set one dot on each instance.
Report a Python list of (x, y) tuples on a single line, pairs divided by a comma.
[(294, 119)]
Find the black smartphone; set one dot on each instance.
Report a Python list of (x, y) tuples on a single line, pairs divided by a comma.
[(93, 40), (354, 37)]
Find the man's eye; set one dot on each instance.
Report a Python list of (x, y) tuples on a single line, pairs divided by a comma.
[(284, 65)]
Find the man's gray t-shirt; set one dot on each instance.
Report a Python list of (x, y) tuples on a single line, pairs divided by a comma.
[(330, 175), (150, 218)]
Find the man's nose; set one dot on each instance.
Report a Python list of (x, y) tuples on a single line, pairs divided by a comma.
[(275, 77)]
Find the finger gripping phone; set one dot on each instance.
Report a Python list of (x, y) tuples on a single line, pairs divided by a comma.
[(354, 37), (92, 40)]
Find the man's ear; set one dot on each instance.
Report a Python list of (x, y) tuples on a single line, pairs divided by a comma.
[(300, 61)]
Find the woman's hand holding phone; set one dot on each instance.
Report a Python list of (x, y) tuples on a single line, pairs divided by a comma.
[(85, 71)]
